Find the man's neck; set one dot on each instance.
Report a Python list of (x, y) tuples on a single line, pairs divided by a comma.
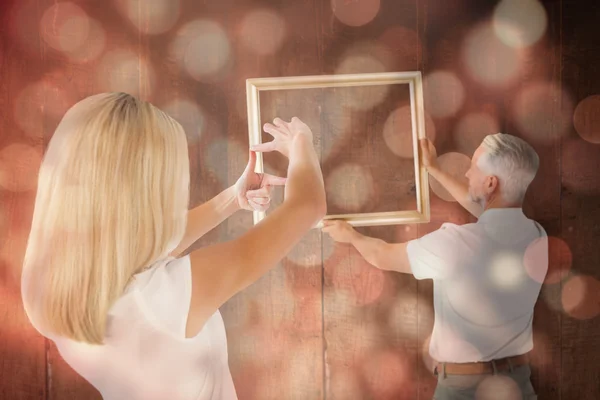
[(498, 202)]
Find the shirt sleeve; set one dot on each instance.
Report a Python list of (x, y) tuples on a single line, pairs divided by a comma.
[(435, 255), (168, 294)]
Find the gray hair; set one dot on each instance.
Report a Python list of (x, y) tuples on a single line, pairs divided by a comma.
[(513, 161)]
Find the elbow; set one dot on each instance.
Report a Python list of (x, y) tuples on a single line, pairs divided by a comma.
[(321, 208), (316, 211), (309, 212)]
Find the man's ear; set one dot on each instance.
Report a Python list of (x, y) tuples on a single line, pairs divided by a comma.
[(491, 184)]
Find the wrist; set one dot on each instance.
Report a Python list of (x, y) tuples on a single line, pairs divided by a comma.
[(301, 140), (232, 199), (354, 237)]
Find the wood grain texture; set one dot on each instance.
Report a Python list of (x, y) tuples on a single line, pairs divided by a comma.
[(324, 323), (543, 201), (275, 326), (23, 373), (370, 316), (580, 322)]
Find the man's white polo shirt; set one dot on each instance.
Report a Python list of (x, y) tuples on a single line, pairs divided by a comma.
[(486, 277)]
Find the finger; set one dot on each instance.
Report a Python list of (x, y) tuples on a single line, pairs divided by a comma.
[(282, 125), (264, 147), (273, 180), (258, 207), (251, 162), (273, 130), (262, 192), (279, 122), (297, 121), (260, 200), (243, 201)]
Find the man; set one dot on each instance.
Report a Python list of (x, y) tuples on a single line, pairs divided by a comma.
[(486, 276)]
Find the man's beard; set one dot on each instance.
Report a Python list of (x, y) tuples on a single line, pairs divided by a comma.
[(477, 199)]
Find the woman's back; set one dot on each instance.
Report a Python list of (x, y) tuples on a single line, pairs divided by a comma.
[(146, 355), (113, 197)]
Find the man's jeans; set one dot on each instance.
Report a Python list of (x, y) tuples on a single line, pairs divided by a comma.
[(506, 384)]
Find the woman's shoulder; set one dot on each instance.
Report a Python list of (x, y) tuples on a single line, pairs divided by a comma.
[(163, 273), (163, 292)]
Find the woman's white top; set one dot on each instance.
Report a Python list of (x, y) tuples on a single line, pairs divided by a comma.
[(146, 355)]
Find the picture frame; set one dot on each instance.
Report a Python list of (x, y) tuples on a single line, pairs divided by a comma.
[(414, 79)]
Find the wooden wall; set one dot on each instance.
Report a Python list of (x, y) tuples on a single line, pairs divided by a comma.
[(323, 324)]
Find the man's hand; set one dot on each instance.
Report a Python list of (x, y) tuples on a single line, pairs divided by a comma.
[(428, 154), (340, 231), (253, 190)]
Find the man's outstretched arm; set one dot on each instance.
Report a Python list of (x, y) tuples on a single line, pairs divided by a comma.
[(383, 255)]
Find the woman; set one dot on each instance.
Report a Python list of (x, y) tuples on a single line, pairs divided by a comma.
[(101, 278)]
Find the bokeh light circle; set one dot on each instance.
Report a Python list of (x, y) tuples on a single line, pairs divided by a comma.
[(581, 297), (302, 365), (155, 17), (489, 61), (189, 115), (363, 97), (580, 167), (41, 105), (65, 26), (213, 158), (519, 23), (397, 131), (19, 166), (355, 13), (444, 94), (387, 374), (586, 119), (542, 112), (124, 71), (350, 187), (263, 31), (471, 129), (507, 270), (93, 46), (404, 315), (360, 278), (202, 48), (498, 387), (404, 44), (340, 304), (344, 384), (455, 164), (553, 251), (306, 254)]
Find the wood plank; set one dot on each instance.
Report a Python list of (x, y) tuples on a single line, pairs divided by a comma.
[(112, 59), (275, 326), (543, 202), (370, 316), (580, 306), (23, 373)]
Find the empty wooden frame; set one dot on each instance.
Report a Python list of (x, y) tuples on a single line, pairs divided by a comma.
[(413, 79)]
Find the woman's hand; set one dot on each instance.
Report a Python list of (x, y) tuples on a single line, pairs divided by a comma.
[(284, 135), (253, 190)]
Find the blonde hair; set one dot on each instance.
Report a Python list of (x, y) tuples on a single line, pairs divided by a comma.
[(112, 199), (513, 161)]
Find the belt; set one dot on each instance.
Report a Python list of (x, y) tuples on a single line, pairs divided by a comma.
[(485, 367)]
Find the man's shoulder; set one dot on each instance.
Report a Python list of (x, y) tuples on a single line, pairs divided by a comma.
[(450, 228), (450, 235)]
